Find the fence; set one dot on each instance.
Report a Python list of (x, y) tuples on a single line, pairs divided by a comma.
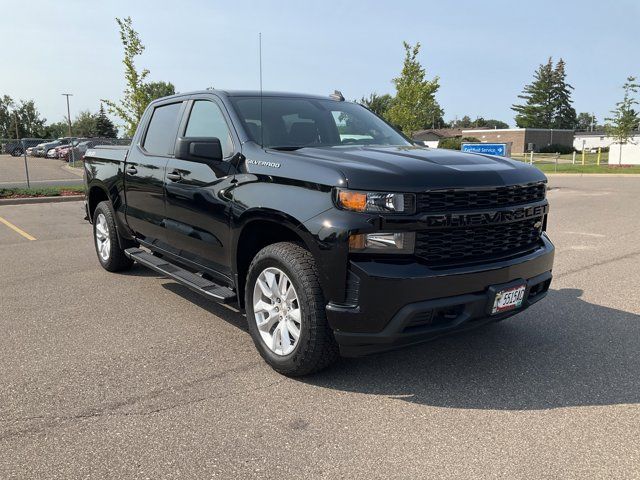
[(68, 149), (577, 162)]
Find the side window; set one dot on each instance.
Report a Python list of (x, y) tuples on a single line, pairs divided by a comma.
[(206, 120), (162, 131)]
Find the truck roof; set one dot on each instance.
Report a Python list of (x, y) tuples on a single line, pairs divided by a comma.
[(251, 93)]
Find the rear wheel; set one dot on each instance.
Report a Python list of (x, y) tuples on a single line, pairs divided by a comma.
[(285, 311), (105, 236)]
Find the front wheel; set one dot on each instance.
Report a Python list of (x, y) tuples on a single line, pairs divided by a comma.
[(286, 311), (105, 237)]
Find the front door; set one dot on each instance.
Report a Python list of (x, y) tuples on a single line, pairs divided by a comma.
[(145, 173), (197, 210)]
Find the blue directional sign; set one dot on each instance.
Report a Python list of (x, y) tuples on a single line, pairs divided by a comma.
[(499, 149)]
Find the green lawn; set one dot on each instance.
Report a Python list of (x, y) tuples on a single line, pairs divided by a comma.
[(568, 168), (41, 191), (564, 164), (589, 158)]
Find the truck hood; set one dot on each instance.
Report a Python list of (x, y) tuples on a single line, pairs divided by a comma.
[(415, 168)]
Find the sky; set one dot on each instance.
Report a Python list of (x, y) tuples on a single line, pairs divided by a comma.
[(484, 52)]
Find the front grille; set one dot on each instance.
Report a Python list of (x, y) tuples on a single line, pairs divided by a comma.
[(474, 199), (448, 246)]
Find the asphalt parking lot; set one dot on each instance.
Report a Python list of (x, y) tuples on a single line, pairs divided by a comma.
[(42, 172), (131, 375)]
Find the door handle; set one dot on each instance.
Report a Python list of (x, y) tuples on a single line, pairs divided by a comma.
[(174, 176), (132, 170)]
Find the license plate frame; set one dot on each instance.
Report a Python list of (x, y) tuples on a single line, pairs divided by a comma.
[(507, 298)]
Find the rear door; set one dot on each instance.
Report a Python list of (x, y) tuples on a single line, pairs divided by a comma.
[(145, 171), (197, 208)]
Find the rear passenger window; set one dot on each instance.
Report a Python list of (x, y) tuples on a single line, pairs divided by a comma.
[(206, 120), (163, 129)]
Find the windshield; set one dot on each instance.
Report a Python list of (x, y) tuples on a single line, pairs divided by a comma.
[(303, 122)]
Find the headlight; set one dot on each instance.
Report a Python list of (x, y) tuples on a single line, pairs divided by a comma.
[(382, 242), (374, 202)]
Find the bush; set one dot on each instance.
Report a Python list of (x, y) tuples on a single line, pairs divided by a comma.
[(556, 148), (455, 143)]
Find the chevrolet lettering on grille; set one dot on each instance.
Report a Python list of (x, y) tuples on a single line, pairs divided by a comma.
[(484, 218)]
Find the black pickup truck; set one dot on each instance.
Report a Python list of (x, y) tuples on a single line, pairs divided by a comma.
[(331, 230)]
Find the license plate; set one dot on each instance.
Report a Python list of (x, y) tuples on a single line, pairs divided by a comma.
[(508, 299)]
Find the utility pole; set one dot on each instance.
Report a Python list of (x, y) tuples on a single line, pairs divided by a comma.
[(73, 159), (24, 149), (68, 110), (15, 112)]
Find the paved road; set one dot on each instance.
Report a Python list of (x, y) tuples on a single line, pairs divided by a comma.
[(122, 376), (43, 172)]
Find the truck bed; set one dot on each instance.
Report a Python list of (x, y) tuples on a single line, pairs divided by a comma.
[(114, 153)]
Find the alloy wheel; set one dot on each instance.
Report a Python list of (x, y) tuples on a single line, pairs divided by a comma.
[(277, 311)]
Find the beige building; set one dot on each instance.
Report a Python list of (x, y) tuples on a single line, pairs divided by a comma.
[(522, 139)]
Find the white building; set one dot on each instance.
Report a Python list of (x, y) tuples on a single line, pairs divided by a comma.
[(630, 154), (595, 140)]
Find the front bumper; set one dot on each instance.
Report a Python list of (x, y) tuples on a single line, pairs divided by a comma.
[(406, 303)]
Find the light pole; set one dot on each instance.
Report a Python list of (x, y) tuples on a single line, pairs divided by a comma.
[(68, 110), (73, 160)]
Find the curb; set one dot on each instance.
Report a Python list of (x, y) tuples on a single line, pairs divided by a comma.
[(30, 200)]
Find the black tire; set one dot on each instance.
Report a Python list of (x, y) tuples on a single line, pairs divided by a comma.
[(116, 260), (316, 348)]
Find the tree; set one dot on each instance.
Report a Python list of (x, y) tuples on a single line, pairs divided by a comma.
[(104, 126), (24, 115), (492, 124), (455, 143), (547, 99), (415, 106), (137, 93), (565, 114), (585, 121), (6, 121), (30, 121), (378, 104), (153, 90), (625, 119), (479, 122), (55, 130), (85, 124), (464, 122)]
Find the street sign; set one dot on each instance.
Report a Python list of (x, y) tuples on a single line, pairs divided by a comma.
[(499, 149)]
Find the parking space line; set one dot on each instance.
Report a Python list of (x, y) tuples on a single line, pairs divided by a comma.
[(16, 229)]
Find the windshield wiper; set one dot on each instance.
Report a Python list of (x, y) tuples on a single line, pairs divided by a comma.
[(287, 148)]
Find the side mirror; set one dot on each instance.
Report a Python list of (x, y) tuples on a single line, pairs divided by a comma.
[(199, 149)]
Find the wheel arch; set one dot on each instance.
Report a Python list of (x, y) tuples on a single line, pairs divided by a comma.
[(95, 194), (258, 229)]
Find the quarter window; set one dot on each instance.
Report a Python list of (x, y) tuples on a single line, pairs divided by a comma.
[(163, 129), (206, 120)]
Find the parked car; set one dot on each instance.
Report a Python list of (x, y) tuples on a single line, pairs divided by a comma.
[(42, 149), (330, 243), (13, 148), (53, 152), (63, 151)]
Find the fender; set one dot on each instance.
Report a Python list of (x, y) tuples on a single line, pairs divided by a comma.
[(108, 177), (283, 204)]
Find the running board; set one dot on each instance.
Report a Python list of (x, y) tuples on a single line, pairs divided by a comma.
[(200, 285)]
